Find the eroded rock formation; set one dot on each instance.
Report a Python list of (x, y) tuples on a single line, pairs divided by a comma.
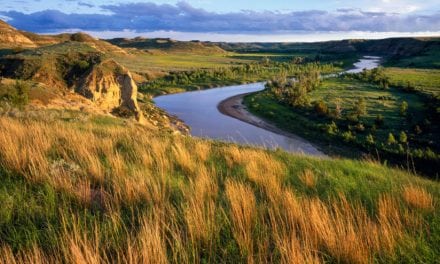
[(111, 87)]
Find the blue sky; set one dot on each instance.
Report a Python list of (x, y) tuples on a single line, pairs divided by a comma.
[(227, 19)]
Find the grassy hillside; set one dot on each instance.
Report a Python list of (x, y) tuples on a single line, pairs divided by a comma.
[(132, 195)]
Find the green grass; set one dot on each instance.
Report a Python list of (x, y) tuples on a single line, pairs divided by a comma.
[(425, 80)]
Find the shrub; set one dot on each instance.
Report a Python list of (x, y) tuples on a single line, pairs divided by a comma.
[(82, 64), (123, 111), (20, 94), (348, 136), (321, 108), (353, 118), (360, 127), (332, 128)]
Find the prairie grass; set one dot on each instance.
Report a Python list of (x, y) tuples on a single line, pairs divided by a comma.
[(308, 178), (243, 211), (418, 197), (81, 192)]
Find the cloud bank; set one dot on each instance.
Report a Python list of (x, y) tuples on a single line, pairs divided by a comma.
[(182, 17)]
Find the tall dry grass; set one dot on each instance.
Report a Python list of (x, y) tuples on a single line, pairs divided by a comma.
[(243, 213), (161, 202), (418, 197), (308, 178)]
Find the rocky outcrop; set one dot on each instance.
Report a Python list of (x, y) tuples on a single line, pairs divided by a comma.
[(10, 37), (111, 87)]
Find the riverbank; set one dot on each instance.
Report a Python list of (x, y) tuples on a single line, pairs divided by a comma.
[(234, 107)]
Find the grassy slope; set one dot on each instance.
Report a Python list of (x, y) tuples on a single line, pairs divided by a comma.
[(135, 194), (430, 59)]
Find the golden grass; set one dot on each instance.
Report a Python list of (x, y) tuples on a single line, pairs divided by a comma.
[(418, 197), (187, 215), (308, 178), (34, 256), (200, 210), (243, 212)]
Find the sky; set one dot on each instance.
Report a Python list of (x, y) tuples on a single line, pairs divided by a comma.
[(228, 20)]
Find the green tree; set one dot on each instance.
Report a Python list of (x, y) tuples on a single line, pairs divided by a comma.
[(391, 140), (403, 138), (332, 128), (348, 136)]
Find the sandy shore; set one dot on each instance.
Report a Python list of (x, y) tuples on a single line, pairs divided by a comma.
[(233, 107)]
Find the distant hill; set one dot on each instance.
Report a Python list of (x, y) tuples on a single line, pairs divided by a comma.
[(391, 46), (12, 38), (404, 52), (98, 44), (168, 45)]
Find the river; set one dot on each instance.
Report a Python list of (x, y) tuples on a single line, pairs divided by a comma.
[(198, 109)]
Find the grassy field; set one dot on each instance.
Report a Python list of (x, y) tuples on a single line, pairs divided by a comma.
[(425, 80), (135, 196), (141, 61), (341, 135)]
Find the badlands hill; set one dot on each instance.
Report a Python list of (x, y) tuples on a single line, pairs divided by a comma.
[(12, 38)]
